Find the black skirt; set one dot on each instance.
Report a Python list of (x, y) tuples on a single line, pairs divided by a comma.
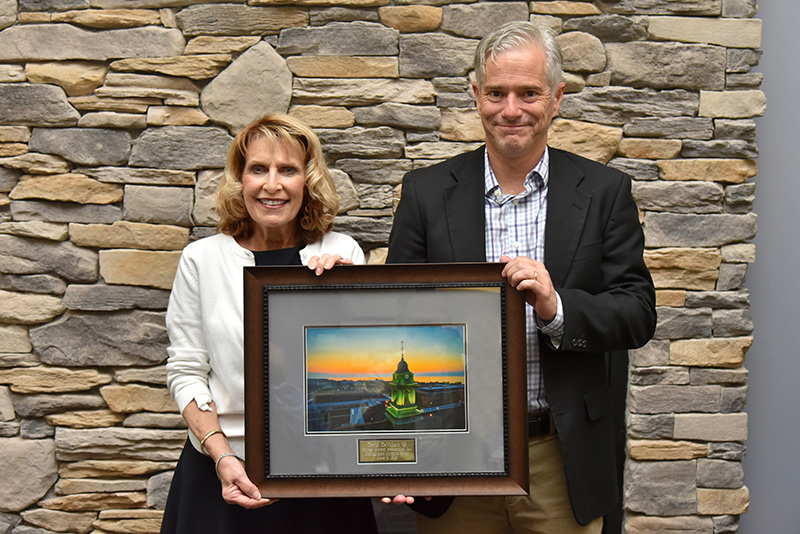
[(195, 506)]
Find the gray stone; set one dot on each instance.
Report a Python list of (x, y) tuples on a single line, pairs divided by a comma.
[(639, 169), (615, 106), (148, 375), (725, 524), (374, 196), (65, 212), (21, 255), (719, 148), (733, 400), (727, 450), (366, 230), (666, 65), (8, 179), (361, 92), (731, 323), (375, 171), (181, 147), (735, 129), (8, 430), (683, 323), (719, 474), (203, 213), (741, 59), (6, 405), (656, 352), (53, 5), (724, 377), (739, 198), (320, 17), (435, 54), (113, 298), (8, 13), (744, 9), (257, 83), (713, 230), (158, 489), (155, 420), (745, 80), (348, 196), (381, 142), (25, 529), (200, 233), (582, 52), (35, 429), (674, 399), (610, 28), (731, 276), (457, 84), (650, 376), (399, 116), (661, 7), (679, 197), (35, 104), (119, 443), (159, 204), (39, 230), (340, 39), (718, 299), (119, 338), (475, 21), (661, 488), (35, 283), (126, 175), (230, 19), (455, 100), (8, 522), (28, 470), (65, 41), (422, 137), (85, 146), (670, 128)]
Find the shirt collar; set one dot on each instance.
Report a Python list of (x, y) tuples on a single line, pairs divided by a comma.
[(541, 171)]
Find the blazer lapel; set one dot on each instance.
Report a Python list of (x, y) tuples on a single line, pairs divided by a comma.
[(464, 210), (567, 208)]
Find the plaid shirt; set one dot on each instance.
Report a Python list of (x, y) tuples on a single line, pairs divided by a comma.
[(515, 227)]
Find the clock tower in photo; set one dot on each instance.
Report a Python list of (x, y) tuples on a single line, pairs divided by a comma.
[(402, 409)]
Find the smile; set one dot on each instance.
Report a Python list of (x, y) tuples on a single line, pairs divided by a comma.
[(271, 203)]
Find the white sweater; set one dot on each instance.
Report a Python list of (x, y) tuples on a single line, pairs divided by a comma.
[(205, 324)]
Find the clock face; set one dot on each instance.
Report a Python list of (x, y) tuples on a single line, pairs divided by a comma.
[(406, 376)]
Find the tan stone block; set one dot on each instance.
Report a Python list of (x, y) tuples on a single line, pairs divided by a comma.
[(134, 513), (590, 140), (44, 379), (343, 67), (733, 33), (732, 171), (665, 450), (95, 501), (28, 308), (440, 150), (411, 18), (58, 521), (36, 229), (77, 78), (175, 116), (650, 148), (710, 427), (129, 235), (362, 92), (137, 398), (324, 116), (12, 73), (112, 468), (716, 352), (15, 134), (36, 163), (723, 501), (674, 298), (122, 105), (105, 19), (169, 97), (461, 125), (150, 81), (85, 419), (732, 104), (72, 486), (7, 412), (684, 268), (14, 338), (139, 268), (564, 8), (111, 119), (341, 3), (12, 149), (27, 17), (196, 67), (643, 524), (207, 44), (150, 375), (377, 256), (137, 526), (67, 188)]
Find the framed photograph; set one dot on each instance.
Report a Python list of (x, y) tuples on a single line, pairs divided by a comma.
[(380, 380)]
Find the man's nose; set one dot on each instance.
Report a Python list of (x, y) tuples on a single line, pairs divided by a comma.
[(511, 108)]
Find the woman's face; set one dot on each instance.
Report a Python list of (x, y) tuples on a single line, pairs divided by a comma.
[(273, 181)]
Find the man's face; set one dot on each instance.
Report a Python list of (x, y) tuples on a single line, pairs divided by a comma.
[(516, 104)]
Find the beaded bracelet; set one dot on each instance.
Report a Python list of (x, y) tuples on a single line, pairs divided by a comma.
[(223, 455), (203, 441)]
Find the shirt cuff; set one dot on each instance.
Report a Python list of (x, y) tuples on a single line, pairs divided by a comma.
[(555, 328)]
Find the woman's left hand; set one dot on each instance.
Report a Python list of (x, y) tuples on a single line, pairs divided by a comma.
[(319, 264)]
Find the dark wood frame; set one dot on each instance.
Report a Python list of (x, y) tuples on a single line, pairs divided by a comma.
[(259, 281)]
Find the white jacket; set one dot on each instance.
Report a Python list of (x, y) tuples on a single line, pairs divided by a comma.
[(205, 324)]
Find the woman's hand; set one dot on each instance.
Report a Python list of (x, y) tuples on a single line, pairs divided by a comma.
[(398, 499), (319, 264), (237, 487)]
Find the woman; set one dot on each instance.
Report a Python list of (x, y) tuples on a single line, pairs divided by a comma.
[(276, 205)]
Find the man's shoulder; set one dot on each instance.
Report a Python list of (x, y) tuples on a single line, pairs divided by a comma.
[(588, 166)]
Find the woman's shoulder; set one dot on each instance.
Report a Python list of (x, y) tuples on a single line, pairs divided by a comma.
[(335, 243), (212, 244)]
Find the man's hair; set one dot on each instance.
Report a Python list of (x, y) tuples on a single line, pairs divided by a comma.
[(320, 200), (519, 34)]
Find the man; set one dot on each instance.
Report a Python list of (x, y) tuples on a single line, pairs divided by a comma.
[(569, 232)]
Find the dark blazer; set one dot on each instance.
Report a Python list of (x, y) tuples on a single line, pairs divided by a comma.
[(593, 252)]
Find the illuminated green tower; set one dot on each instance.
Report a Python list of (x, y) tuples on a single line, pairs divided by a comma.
[(403, 409)]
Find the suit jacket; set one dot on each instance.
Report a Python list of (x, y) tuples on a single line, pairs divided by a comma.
[(593, 252)]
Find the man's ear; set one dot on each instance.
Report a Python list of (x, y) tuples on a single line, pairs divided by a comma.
[(557, 96)]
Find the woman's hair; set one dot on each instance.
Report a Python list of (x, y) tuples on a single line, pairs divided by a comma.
[(518, 34), (320, 200)]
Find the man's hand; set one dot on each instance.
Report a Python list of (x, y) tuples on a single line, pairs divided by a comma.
[(531, 276)]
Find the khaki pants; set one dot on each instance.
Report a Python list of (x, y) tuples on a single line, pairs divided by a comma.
[(545, 511)]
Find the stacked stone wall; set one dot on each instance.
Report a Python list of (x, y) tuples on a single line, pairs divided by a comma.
[(115, 116)]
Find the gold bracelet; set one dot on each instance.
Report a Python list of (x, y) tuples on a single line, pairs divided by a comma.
[(203, 441)]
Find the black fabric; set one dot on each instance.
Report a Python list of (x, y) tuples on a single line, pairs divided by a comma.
[(195, 506), (281, 256)]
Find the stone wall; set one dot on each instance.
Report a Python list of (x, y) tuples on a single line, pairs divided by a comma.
[(114, 119)]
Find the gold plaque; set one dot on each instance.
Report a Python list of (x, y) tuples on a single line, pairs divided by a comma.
[(385, 451)]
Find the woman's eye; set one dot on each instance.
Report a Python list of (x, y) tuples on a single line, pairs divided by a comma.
[(256, 169), (289, 170)]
